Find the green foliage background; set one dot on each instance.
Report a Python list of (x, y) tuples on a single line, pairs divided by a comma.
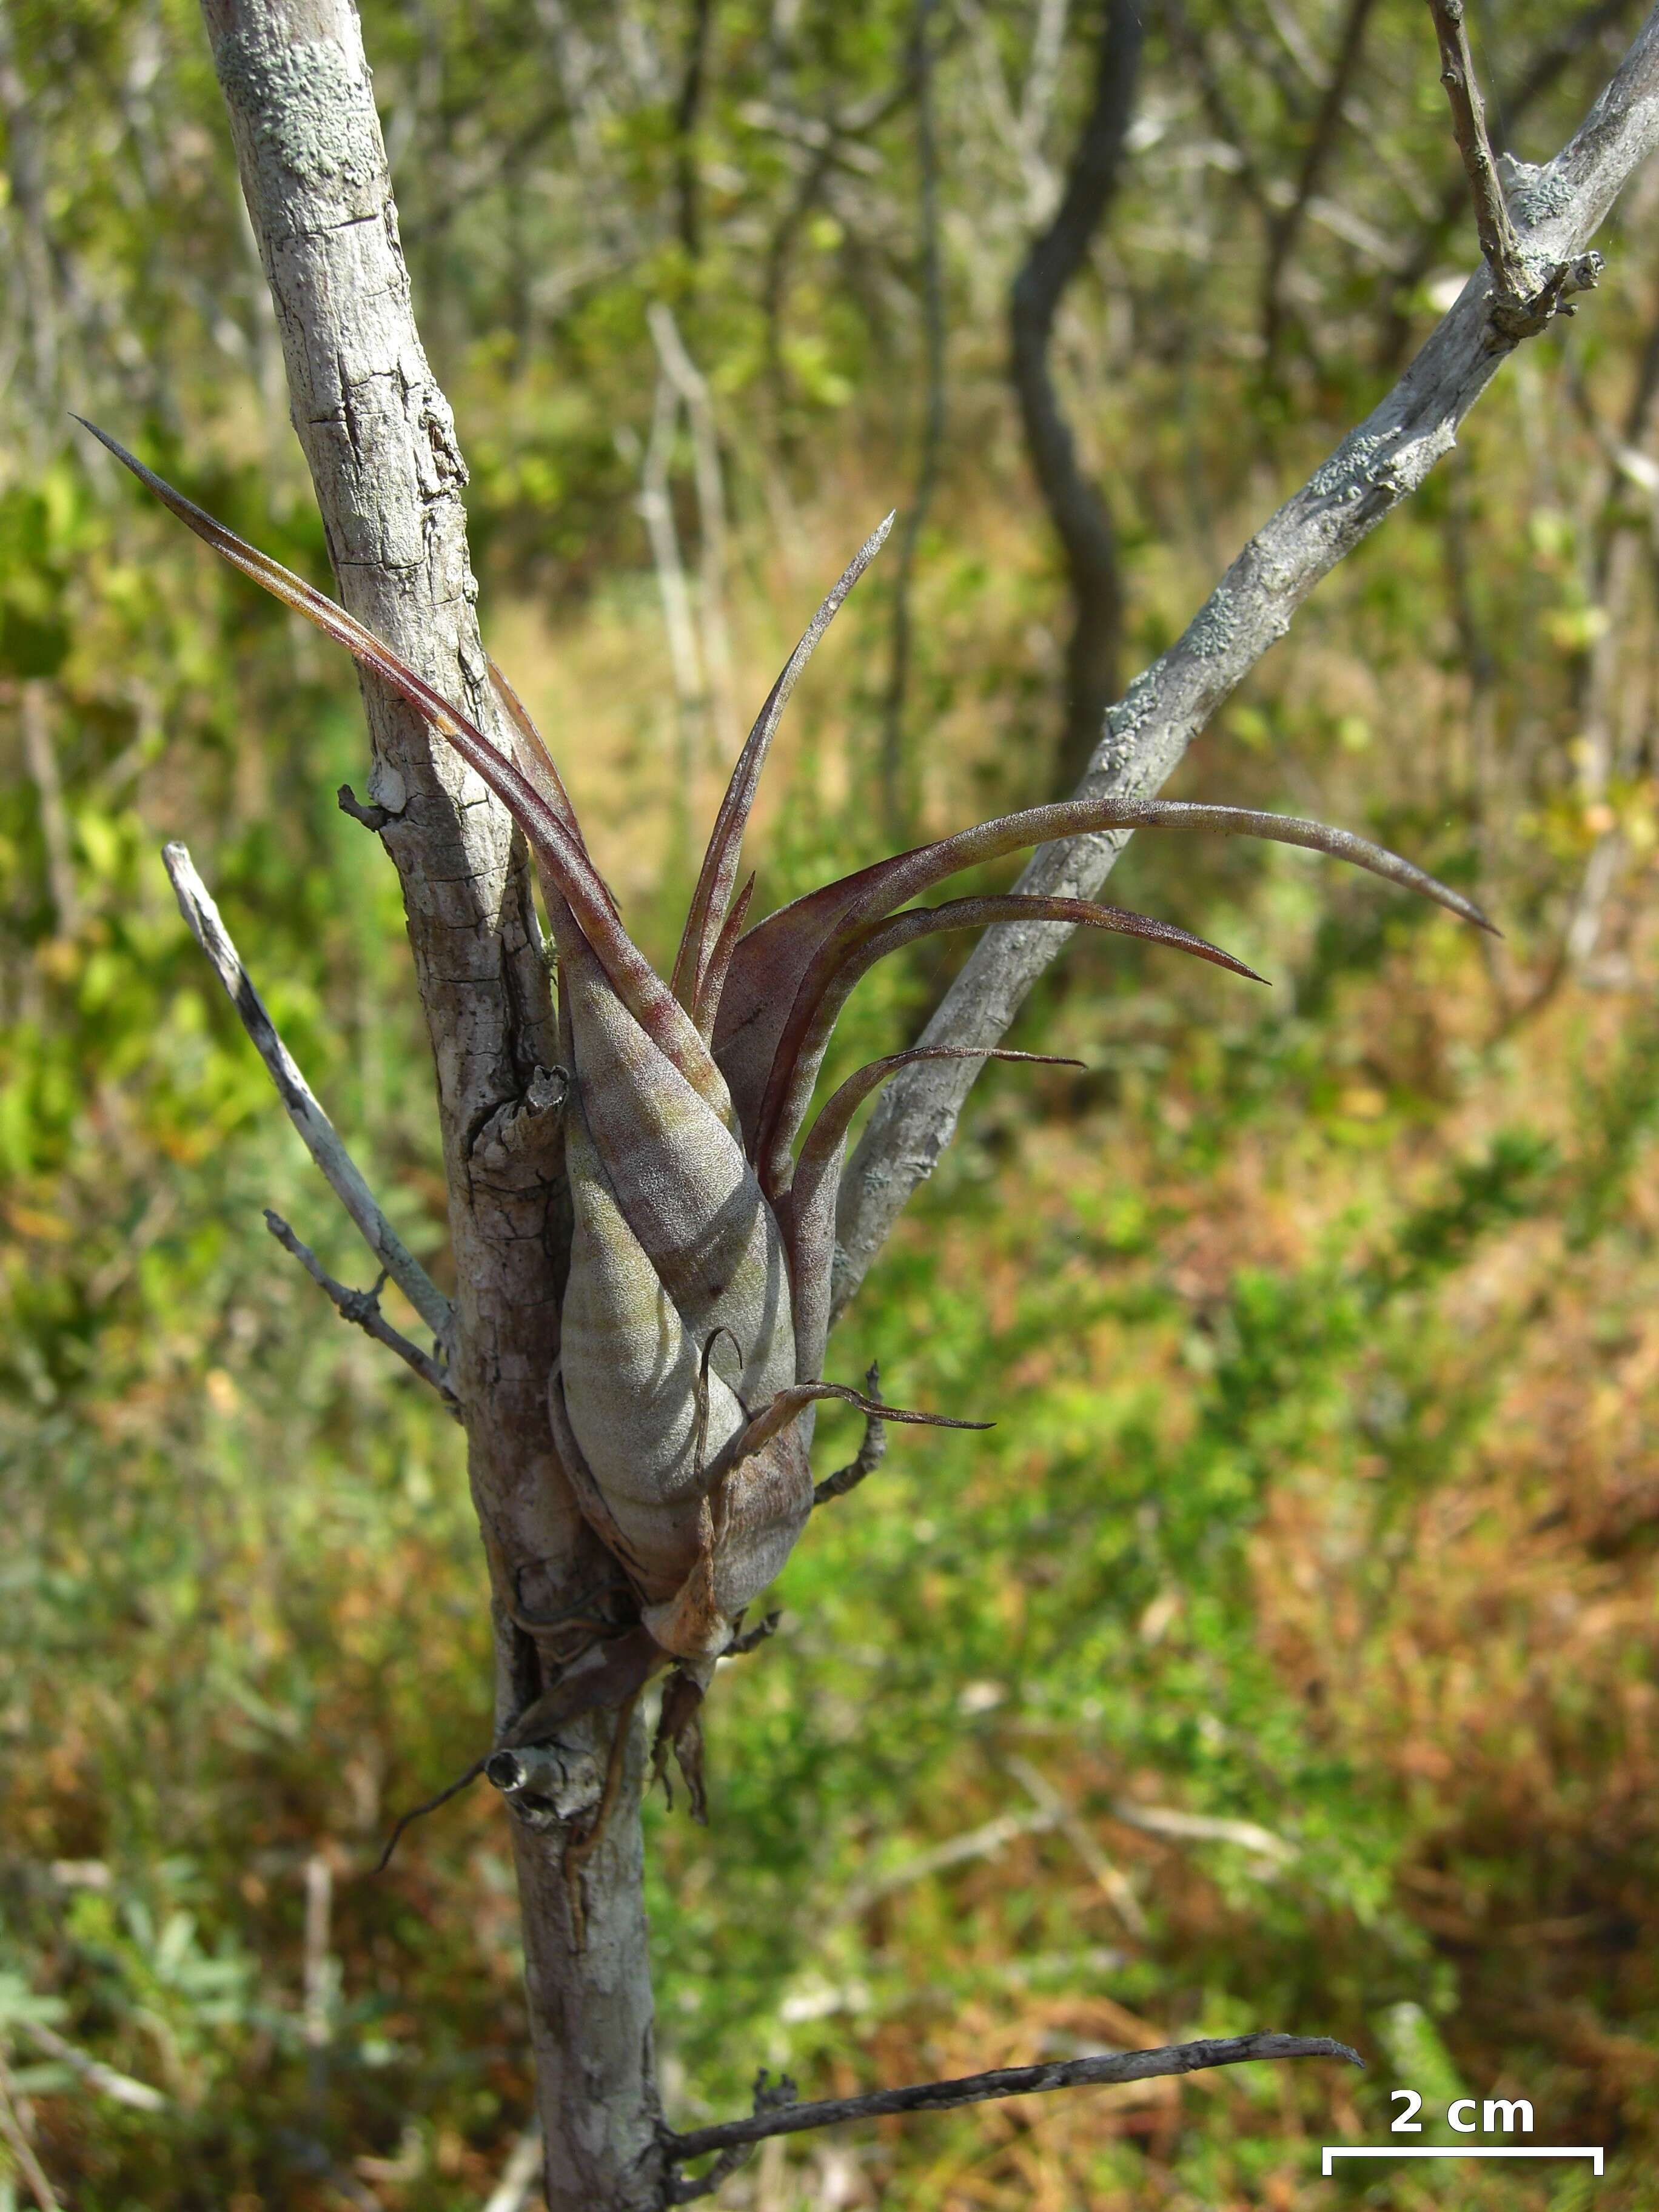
[(1286, 1655)]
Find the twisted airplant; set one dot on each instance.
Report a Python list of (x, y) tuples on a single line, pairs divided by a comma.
[(697, 1305)]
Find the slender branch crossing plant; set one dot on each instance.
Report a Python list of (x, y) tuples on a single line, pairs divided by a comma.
[(643, 1209)]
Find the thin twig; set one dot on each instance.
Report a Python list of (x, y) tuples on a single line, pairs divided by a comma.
[(373, 815), (363, 1308), (1499, 242), (16, 2136), (1564, 45), (870, 1454), (419, 1812), (769, 2097), (687, 114), (1285, 227), (656, 510), (981, 1843), (1204, 1828), (1007, 2081), (321, 1139), (1520, 305)]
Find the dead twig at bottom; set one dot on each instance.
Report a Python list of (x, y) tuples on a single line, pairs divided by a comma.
[(363, 1308), (981, 2088)]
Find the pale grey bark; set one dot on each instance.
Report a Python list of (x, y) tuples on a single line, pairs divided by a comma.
[(380, 442), (320, 1137), (1557, 210), (362, 1308)]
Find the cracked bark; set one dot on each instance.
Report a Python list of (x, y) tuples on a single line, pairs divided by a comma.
[(380, 443)]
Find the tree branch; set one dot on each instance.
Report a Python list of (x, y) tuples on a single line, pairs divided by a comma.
[(1076, 508), (1552, 58), (1519, 305), (981, 2088), (321, 1140), (1379, 463), (895, 809), (363, 1308), (688, 111)]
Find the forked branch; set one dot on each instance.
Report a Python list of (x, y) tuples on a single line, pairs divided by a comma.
[(981, 2088), (1522, 299), (362, 1308), (322, 1139), (1381, 462)]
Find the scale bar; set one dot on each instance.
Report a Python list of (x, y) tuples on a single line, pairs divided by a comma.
[(1591, 2151)]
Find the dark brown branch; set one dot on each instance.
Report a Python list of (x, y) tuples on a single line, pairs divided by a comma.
[(1004, 2081), (869, 1457), (419, 1812), (372, 817), (363, 1308), (1076, 508), (687, 113), (894, 808)]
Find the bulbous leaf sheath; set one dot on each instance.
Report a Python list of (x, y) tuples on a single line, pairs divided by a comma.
[(698, 1302)]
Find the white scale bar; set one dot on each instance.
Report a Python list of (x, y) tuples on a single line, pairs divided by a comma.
[(1591, 2151)]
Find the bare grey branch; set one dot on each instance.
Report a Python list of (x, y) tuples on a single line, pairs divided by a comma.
[(1377, 466), (322, 1141), (363, 1308), (1523, 297)]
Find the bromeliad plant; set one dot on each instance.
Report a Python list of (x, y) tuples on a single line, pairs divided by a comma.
[(697, 1306)]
